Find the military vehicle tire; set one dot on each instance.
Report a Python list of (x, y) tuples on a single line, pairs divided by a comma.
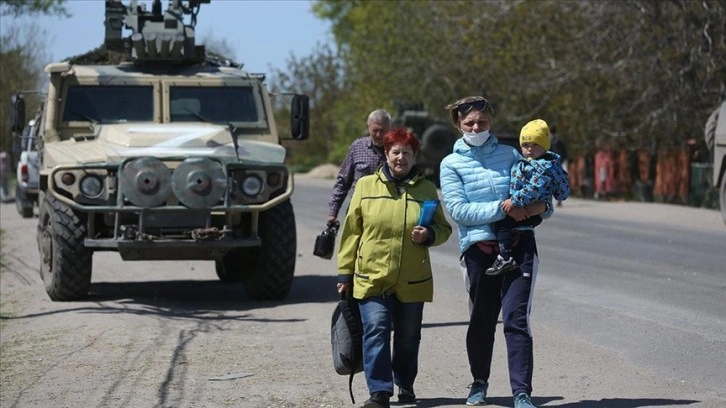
[(266, 271), (271, 279), (722, 199), (437, 140), (24, 206), (65, 264), (229, 268)]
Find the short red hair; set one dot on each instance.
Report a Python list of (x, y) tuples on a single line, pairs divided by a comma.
[(400, 136)]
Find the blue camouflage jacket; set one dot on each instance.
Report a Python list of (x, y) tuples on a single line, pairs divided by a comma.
[(538, 180)]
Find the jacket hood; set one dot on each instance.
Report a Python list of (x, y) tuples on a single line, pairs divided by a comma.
[(114, 143)]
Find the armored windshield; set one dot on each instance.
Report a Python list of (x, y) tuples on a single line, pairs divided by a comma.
[(213, 104), (109, 104)]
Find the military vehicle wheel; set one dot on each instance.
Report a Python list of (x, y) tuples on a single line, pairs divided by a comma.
[(437, 140), (268, 271), (65, 264), (24, 206), (229, 268), (435, 177), (723, 197)]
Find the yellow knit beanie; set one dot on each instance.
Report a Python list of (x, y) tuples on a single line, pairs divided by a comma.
[(537, 132)]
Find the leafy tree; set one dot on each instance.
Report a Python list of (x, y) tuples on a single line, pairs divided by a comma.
[(635, 73), (19, 8), (321, 77), (22, 53)]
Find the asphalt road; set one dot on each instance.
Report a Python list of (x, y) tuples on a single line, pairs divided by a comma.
[(629, 312)]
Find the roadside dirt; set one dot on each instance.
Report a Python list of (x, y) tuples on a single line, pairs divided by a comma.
[(169, 334), (163, 334)]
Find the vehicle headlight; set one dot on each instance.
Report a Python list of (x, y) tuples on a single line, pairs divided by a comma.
[(252, 186), (91, 186)]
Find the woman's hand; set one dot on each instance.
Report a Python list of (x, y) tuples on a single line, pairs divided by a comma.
[(343, 287), (518, 213), (420, 234), (522, 213), (535, 208)]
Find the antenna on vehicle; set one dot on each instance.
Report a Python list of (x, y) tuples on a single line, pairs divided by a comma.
[(232, 131)]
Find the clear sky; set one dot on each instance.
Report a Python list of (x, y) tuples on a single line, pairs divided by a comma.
[(262, 34)]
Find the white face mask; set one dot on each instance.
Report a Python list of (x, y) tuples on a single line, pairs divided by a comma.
[(476, 139)]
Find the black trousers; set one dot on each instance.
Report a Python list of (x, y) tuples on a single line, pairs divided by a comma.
[(503, 230), (510, 293)]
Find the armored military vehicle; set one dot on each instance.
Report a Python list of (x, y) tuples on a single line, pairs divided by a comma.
[(165, 155), (437, 137)]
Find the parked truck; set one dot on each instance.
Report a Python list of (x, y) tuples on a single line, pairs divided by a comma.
[(437, 137), (167, 154)]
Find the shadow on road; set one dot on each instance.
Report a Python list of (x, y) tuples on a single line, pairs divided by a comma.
[(612, 402), (212, 293), (188, 299), (444, 324), (544, 402)]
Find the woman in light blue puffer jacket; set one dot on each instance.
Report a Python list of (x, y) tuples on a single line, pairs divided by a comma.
[(475, 181)]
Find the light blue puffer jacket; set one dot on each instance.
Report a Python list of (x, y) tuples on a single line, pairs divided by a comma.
[(474, 182)]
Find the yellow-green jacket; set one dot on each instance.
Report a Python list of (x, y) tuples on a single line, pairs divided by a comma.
[(376, 246)]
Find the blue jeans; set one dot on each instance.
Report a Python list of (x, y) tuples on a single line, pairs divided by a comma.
[(379, 316)]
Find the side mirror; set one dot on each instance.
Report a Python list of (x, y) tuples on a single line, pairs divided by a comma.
[(17, 113), (300, 117)]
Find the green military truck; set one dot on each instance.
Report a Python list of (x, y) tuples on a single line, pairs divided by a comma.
[(437, 137), (166, 155)]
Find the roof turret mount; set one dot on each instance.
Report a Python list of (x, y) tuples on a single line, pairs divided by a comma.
[(156, 37)]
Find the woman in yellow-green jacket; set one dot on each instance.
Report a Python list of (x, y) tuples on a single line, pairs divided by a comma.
[(384, 256)]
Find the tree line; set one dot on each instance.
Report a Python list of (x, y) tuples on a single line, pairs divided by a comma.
[(630, 74), (633, 74), (22, 55)]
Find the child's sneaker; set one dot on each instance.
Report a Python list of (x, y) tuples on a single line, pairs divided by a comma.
[(501, 265)]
